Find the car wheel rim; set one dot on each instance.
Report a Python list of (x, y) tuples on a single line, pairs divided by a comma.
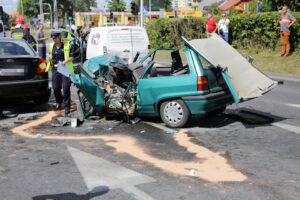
[(173, 112)]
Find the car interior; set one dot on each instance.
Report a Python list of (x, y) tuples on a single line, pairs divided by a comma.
[(175, 68)]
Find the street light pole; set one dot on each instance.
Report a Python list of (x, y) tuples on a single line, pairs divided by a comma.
[(142, 12), (41, 12), (55, 14), (150, 9), (51, 23), (22, 8)]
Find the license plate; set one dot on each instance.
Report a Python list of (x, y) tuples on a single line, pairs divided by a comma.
[(12, 72)]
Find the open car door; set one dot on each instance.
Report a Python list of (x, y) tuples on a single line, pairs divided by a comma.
[(244, 81)]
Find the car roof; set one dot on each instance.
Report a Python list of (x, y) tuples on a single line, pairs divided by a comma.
[(115, 27), (11, 39)]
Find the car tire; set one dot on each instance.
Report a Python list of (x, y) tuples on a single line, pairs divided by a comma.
[(174, 113)]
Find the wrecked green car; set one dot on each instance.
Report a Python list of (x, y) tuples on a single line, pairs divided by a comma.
[(210, 76)]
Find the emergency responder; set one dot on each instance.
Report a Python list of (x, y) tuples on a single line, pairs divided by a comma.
[(19, 31), (60, 51), (31, 41)]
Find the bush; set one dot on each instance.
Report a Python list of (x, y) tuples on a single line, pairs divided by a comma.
[(247, 30)]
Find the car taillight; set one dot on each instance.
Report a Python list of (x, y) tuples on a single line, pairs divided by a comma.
[(42, 66), (202, 83), (149, 48)]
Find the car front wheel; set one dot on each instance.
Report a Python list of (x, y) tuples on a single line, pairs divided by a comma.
[(174, 113)]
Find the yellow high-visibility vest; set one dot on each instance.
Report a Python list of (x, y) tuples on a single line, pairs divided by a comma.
[(67, 48)]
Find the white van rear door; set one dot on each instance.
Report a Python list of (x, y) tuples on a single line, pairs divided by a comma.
[(127, 41)]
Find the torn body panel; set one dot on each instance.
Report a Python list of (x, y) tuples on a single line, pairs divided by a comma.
[(243, 79)]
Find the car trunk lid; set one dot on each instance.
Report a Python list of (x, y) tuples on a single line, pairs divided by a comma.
[(244, 81), (18, 68)]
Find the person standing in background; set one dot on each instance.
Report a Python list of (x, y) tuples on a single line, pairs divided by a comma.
[(41, 41), (286, 20), (258, 2), (223, 27), (211, 25)]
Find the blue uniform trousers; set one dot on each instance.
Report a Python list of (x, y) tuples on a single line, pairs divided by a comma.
[(59, 82)]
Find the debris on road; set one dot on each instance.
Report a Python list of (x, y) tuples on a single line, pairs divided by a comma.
[(171, 131), (54, 163), (74, 123), (193, 172), (40, 135), (135, 120), (143, 131)]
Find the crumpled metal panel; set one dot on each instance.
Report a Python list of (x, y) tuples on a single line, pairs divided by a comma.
[(246, 81)]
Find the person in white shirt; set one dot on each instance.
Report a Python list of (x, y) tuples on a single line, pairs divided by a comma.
[(223, 27)]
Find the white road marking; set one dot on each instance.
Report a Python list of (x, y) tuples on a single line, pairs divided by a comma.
[(98, 172), (294, 129), (293, 105), (164, 128)]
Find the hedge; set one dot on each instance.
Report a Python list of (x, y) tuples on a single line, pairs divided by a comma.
[(247, 30)]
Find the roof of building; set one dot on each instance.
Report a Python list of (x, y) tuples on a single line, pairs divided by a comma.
[(229, 4), (219, 3)]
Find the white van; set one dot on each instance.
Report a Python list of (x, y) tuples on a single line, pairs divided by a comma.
[(125, 41)]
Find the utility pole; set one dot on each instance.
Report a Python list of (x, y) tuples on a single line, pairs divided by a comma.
[(55, 14), (51, 22), (41, 11), (150, 9), (22, 9), (142, 12)]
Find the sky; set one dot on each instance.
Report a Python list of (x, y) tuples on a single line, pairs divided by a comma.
[(10, 5)]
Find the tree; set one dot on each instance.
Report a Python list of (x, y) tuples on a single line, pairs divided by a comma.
[(214, 9), (117, 5), (168, 5), (31, 7)]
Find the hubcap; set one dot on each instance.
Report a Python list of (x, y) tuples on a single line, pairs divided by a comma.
[(173, 112)]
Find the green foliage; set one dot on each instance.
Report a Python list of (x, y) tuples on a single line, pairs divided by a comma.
[(267, 6), (248, 30), (252, 7), (117, 5), (214, 9), (31, 7)]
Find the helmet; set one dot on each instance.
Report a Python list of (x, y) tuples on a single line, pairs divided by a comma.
[(19, 20), (26, 26)]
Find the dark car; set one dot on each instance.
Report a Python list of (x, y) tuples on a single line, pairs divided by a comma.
[(22, 72)]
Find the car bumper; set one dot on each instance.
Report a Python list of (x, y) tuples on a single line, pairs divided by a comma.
[(202, 104), (23, 89)]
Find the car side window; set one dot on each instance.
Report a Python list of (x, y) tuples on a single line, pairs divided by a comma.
[(1, 28), (206, 65)]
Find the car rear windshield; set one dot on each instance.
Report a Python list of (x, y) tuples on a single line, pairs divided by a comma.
[(15, 48), (125, 37)]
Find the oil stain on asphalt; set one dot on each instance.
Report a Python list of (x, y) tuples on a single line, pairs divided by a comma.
[(205, 164)]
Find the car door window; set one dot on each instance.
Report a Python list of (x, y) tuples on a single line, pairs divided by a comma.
[(168, 63)]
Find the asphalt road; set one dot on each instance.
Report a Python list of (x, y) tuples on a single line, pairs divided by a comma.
[(215, 158)]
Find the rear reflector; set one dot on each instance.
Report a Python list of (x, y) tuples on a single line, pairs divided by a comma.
[(202, 83), (42, 66), (149, 48)]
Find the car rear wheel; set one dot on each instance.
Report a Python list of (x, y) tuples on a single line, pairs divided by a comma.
[(174, 113)]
